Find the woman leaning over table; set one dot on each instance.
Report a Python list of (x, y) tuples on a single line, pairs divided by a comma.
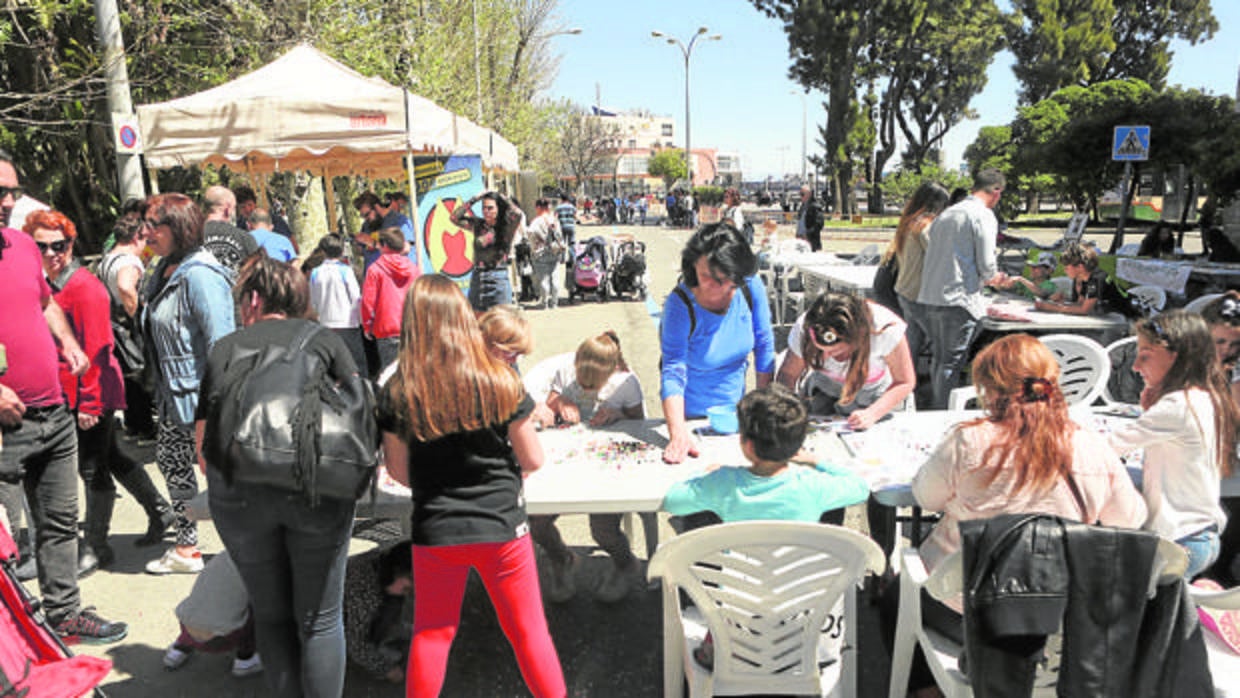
[(716, 316), (461, 438), (1025, 454), (909, 248), (189, 308)]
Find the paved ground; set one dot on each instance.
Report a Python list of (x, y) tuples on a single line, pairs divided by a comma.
[(606, 650)]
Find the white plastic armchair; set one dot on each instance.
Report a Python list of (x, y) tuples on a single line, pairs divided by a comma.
[(868, 255), (1199, 303), (1063, 285), (1224, 663), (1151, 299), (765, 590), (1084, 366), (943, 655)]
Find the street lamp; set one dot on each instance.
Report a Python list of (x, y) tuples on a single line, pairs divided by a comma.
[(804, 112), (687, 51)]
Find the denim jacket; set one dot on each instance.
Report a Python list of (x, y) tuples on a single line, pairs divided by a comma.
[(183, 320)]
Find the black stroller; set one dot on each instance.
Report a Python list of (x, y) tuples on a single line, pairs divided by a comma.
[(523, 261), (628, 270)]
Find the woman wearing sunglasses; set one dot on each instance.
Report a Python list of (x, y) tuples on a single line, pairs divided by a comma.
[(850, 357)]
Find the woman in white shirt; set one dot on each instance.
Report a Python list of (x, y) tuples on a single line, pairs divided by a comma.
[(1187, 432)]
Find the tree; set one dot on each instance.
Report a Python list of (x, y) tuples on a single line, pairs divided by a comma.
[(668, 164), (1059, 43), (587, 144)]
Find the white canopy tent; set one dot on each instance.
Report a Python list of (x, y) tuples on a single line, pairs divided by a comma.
[(307, 111)]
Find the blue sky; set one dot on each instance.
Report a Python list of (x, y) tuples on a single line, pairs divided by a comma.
[(741, 98)]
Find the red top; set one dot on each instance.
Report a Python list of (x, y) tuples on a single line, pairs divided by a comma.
[(23, 329), (89, 312), (383, 294)]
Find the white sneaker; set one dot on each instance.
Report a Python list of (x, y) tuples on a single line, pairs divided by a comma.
[(175, 658), (242, 668), (174, 563)]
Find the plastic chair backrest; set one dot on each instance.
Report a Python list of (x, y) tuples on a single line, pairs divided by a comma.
[(1151, 299), (868, 255), (1199, 303), (1129, 250), (1084, 366), (765, 589)]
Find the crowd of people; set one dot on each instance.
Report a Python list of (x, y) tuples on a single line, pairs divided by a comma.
[(458, 424)]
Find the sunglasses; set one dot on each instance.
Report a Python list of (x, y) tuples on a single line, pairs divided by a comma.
[(58, 246), (15, 192)]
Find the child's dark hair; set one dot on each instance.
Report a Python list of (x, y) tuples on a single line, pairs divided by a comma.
[(331, 246), (1077, 253), (774, 420), (281, 287)]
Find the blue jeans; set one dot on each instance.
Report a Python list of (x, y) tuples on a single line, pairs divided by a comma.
[(40, 457), (488, 288), (951, 332), (292, 559), (1202, 548)]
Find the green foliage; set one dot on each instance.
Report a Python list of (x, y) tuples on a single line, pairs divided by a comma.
[(53, 111), (708, 195), (1059, 43), (668, 164), (898, 187)]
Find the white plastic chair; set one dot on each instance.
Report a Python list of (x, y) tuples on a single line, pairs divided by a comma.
[(765, 590), (1063, 285), (1084, 366), (1129, 250), (1084, 369), (868, 255), (1199, 303), (942, 654), (1224, 663), (1151, 299)]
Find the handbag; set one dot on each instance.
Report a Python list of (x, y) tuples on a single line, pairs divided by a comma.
[(885, 284), (279, 419)]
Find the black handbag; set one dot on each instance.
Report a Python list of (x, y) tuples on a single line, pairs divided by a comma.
[(279, 419), (885, 284)]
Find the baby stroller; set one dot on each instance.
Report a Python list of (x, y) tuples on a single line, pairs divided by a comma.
[(34, 663), (628, 269), (587, 271), (523, 261)]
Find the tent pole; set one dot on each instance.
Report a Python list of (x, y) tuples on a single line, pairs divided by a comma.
[(154, 176), (409, 173), (330, 198)]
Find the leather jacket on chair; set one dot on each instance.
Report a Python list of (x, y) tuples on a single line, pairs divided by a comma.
[(1116, 642)]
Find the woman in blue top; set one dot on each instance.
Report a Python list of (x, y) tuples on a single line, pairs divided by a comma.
[(709, 330)]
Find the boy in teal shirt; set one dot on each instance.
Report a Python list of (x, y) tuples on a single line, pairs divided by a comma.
[(773, 424)]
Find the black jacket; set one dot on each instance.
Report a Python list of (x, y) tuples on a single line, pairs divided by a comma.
[(1023, 573)]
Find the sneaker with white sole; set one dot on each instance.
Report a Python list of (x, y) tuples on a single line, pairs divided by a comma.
[(173, 562), (175, 657), (242, 668)]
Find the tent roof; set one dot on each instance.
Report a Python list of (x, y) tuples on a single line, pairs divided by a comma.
[(306, 110)]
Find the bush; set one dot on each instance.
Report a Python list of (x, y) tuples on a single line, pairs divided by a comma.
[(708, 196)]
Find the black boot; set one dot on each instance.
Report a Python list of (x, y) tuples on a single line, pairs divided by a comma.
[(99, 507), (158, 511)]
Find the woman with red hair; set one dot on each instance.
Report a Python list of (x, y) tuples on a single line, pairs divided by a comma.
[(1025, 454), (95, 396)]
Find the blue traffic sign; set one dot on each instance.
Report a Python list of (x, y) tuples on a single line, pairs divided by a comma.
[(1131, 143)]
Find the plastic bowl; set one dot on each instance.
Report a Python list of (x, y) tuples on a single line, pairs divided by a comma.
[(723, 419)]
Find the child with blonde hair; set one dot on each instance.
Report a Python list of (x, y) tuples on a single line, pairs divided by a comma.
[(596, 387)]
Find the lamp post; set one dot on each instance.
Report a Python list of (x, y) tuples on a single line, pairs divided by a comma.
[(804, 113), (687, 50)]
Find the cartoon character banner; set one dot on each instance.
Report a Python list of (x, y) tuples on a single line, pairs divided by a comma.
[(443, 184)]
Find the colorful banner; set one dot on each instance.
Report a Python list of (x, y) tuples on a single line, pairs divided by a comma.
[(443, 183)]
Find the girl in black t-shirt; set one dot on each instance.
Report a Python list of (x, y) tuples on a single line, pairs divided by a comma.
[(456, 430)]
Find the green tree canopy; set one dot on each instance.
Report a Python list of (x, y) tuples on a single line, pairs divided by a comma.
[(668, 164)]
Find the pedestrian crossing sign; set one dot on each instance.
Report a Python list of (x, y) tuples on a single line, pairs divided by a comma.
[(1131, 143)]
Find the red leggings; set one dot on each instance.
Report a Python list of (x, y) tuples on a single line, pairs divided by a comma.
[(510, 575)]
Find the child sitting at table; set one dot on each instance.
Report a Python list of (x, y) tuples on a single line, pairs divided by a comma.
[(594, 386), (773, 424), (1039, 284), (1188, 433), (1091, 291)]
